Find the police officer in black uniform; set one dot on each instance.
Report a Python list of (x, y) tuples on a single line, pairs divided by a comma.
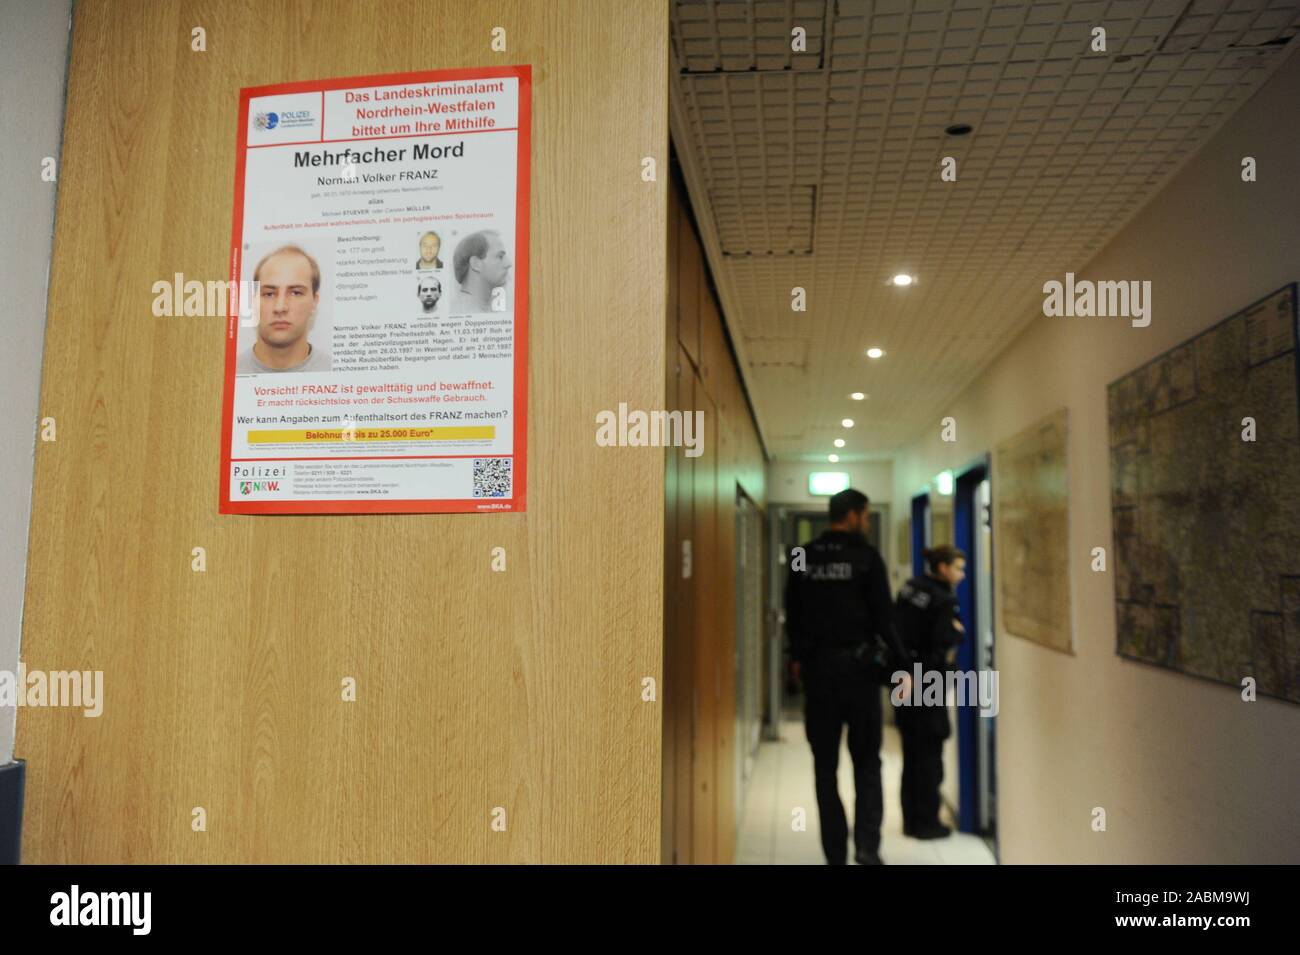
[(839, 617), (927, 617)]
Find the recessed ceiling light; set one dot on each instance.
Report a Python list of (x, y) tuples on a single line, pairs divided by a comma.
[(902, 278), (833, 458), (875, 353), (839, 442), (847, 422), (958, 129), (857, 396)]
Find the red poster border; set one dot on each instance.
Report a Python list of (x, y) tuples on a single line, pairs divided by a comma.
[(511, 505)]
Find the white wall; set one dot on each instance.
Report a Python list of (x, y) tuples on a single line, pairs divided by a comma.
[(787, 484), (1186, 771), (34, 51), (787, 481)]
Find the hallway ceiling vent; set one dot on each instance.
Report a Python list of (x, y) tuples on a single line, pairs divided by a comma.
[(777, 352), (765, 220), (727, 36)]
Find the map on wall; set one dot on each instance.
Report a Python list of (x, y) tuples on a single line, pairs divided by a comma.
[(1032, 534), (1205, 466)]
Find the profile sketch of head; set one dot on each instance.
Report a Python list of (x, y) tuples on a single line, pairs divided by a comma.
[(481, 265)]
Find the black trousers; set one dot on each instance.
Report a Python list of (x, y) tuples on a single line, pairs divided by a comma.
[(922, 767), (842, 691)]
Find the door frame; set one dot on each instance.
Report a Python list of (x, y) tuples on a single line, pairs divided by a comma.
[(973, 733)]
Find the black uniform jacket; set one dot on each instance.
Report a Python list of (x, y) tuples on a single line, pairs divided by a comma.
[(837, 597), (926, 611)]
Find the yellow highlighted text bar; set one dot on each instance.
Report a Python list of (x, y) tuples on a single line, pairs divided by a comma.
[(301, 436)]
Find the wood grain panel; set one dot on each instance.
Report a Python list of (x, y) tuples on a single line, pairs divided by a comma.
[(724, 604), (700, 650), (672, 686), (222, 689), (690, 267), (681, 717), (712, 351), (709, 566), (671, 275)]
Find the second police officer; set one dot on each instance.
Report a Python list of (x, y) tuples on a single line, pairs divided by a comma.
[(927, 616)]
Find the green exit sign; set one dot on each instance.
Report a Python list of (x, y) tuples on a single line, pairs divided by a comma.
[(826, 483)]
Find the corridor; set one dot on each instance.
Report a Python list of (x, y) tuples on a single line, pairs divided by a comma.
[(783, 781)]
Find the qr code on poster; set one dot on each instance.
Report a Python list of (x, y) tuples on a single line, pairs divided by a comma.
[(492, 477)]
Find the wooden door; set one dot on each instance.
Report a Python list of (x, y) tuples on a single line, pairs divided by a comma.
[(476, 690)]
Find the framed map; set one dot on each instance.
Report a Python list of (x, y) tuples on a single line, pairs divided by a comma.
[(1205, 467), (1032, 534)]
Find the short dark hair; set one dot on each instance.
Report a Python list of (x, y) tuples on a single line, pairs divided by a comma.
[(942, 554), (846, 502)]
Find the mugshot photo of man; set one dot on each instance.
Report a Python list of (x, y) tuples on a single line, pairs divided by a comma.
[(481, 267), (430, 291), (430, 244), (288, 294)]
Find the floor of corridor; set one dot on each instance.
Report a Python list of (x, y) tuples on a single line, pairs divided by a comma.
[(783, 780)]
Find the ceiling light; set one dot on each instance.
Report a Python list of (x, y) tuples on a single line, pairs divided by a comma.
[(902, 278), (839, 442), (857, 396), (833, 458), (847, 422), (958, 129), (875, 353)]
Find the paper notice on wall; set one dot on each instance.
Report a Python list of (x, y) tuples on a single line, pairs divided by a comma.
[(376, 349)]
